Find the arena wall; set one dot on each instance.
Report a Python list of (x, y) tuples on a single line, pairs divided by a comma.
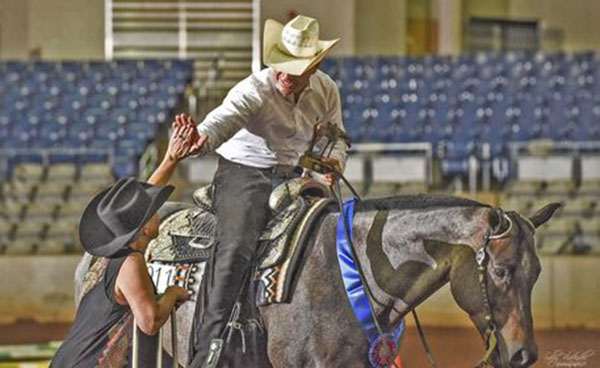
[(577, 18), (380, 27), (52, 29), (67, 29), (74, 29), (486, 8), (13, 29)]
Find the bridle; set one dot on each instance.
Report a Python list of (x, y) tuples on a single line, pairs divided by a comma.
[(482, 258)]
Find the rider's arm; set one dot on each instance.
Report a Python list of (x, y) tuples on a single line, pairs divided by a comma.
[(134, 285), (241, 103)]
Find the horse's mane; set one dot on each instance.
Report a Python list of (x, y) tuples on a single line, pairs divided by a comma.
[(416, 201)]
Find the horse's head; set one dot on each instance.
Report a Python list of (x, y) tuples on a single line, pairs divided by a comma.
[(504, 272)]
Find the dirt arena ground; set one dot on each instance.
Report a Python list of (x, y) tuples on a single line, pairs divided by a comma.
[(462, 348), (452, 347)]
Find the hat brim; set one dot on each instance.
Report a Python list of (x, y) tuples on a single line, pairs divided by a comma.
[(286, 63), (98, 240)]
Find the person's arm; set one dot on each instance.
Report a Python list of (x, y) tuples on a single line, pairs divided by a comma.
[(240, 104), (134, 284)]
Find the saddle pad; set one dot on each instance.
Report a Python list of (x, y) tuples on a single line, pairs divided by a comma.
[(182, 242), (275, 279), (273, 239)]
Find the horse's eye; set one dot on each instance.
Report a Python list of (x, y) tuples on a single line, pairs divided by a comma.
[(500, 272)]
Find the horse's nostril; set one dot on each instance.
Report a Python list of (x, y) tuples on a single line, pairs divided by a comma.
[(523, 358)]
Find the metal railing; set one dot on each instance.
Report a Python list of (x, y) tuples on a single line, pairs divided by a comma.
[(572, 150), (159, 349)]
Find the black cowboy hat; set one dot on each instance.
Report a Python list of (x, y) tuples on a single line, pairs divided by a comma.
[(118, 213)]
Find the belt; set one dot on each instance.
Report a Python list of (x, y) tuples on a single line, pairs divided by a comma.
[(280, 170)]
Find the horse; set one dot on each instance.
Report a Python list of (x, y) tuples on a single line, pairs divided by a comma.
[(409, 247)]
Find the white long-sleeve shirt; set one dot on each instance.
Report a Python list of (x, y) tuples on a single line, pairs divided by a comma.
[(256, 126)]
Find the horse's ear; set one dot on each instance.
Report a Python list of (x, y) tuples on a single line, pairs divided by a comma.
[(544, 214)]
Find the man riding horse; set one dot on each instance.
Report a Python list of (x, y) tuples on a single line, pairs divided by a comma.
[(261, 129)]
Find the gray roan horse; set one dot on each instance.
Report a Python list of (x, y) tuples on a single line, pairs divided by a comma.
[(409, 247)]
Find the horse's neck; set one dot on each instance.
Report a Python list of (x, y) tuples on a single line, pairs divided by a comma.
[(407, 255)]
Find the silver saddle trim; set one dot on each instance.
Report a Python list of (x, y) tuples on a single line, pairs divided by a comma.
[(178, 241), (202, 198), (281, 197), (287, 192)]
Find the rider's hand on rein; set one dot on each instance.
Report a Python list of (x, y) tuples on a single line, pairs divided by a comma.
[(331, 177)]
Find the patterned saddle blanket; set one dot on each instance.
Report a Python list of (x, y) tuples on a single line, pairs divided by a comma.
[(178, 255)]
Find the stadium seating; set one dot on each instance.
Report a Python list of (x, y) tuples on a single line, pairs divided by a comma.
[(61, 122), (462, 102), (39, 213)]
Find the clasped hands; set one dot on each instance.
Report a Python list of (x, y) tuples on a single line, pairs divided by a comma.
[(185, 139)]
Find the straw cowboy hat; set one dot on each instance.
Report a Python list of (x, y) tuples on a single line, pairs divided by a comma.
[(295, 47), (115, 215)]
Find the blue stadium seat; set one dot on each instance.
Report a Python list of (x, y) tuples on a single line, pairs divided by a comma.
[(410, 131), (129, 101), (4, 132), (125, 166), (93, 116), (454, 168), (111, 131), (330, 67), (140, 131)]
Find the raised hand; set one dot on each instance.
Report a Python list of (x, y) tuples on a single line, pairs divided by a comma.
[(197, 139), (183, 139), (180, 142)]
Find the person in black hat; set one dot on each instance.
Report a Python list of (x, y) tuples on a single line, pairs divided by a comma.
[(117, 225)]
